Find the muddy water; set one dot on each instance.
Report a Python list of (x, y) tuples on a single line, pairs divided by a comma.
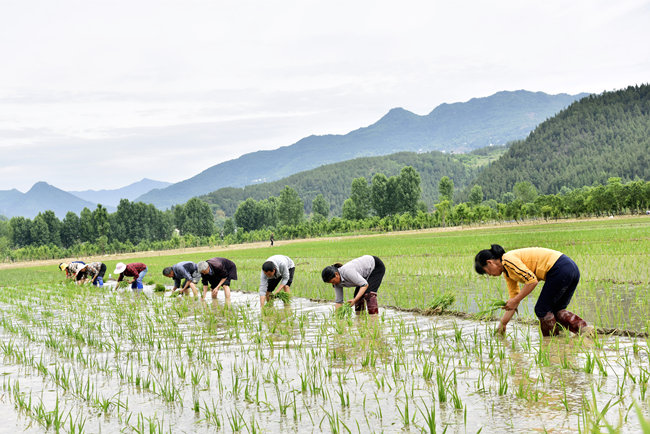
[(116, 362)]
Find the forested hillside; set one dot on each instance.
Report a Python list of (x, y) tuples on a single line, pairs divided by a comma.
[(334, 180), (596, 138), (497, 119)]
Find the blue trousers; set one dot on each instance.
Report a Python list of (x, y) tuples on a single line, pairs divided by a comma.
[(137, 283)]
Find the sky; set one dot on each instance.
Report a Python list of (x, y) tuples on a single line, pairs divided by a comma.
[(100, 94)]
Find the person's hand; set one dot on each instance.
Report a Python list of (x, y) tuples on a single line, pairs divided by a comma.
[(511, 304), (352, 302), (501, 329)]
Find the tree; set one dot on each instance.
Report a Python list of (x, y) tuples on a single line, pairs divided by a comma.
[(39, 232), (20, 229), (228, 227), (379, 195), (248, 215), (349, 210), (100, 218), (360, 196), (199, 219), (525, 192), (320, 206), (87, 231), (446, 189), (409, 190), (70, 230), (476, 195), (443, 208), (53, 227), (290, 207)]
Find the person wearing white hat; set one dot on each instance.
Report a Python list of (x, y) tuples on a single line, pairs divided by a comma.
[(137, 270)]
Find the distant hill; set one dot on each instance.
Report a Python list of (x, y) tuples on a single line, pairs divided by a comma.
[(112, 197), (596, 138), (41, 197), (334, 180), (479, 122)]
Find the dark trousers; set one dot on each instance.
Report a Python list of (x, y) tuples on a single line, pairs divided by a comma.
[(369, 298), (273, 283), (560, 284)]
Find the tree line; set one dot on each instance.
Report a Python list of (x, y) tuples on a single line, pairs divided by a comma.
[(381, 204)]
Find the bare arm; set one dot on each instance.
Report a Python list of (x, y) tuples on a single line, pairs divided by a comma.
[(362, 291), (513, 303)]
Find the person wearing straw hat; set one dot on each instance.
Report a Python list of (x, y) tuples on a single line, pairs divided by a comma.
[(218, 272), (365, 274), (137, 270), (63, 266), (97, 270), (528, 266), (278, 269), (184, 270)]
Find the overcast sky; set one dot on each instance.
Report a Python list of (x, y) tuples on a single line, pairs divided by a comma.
[(98, 95)]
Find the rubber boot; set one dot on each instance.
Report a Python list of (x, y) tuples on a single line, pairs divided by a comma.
[(573, 322), (547, 325)]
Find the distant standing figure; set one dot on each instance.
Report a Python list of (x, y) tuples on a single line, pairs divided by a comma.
[(529, 266), (365, 274), (96, 270), (184, 270), (272, 239), (218, 272), (278, 269), (137, 270)]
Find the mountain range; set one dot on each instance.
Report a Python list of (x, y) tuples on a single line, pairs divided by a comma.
[(43, 196), (112, 197), (458, 127)]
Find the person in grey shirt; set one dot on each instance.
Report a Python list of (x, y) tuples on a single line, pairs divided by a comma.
[(276, 269), (365, 274), (184, 270)]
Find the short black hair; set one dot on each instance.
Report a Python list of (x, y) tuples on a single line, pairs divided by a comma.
[(268, 266)]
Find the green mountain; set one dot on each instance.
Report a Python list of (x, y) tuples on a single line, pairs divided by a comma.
[(479, 122), (596, 138), (334, 180)]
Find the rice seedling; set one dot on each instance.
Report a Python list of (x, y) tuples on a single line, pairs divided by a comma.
[(489, 308), (302, 369), (441, 302), (344, 311)]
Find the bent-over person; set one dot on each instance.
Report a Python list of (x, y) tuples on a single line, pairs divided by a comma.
[(218, 272)]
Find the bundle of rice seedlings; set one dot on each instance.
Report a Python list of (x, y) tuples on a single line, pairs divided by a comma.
[(343, 312), (441, 302), (492, 306), (122, 284), (284, 297), (159, 288)]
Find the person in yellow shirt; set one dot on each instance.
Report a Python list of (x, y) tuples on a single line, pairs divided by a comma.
[(528, 266)]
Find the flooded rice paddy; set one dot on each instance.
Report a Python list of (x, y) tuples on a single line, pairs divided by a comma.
[(80, 359)]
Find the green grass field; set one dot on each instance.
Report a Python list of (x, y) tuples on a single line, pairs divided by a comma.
[(613, 256)]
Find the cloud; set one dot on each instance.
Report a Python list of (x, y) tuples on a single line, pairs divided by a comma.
[(175, 81)]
